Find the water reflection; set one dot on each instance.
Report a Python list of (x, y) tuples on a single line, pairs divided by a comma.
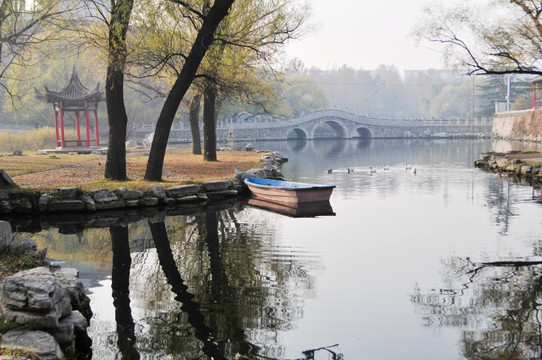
[(297, 144), (264, 285), (314, 157), (497, 306), (363, 143), (501, 203), (207, 284), (120, 281), (189, 305), (312, 209), (330, 149)]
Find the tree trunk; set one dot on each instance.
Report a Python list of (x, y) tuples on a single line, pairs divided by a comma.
[(205, 38), (115, 165), (194, 124), (120, 284), (209, 126)]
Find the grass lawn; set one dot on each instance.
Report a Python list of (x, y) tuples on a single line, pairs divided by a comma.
[(48, 172)]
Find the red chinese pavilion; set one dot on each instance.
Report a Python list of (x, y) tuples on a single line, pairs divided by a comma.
[(77, 98)]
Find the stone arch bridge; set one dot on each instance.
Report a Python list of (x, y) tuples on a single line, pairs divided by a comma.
[(339, 124)]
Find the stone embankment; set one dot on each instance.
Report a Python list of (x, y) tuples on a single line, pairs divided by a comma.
[(517, 165), (521, 125), (73, 199), (53, 305)]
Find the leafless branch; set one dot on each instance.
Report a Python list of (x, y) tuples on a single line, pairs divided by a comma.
[(189, 8)]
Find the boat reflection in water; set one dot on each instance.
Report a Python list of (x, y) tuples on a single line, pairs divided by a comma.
[(311, 209)]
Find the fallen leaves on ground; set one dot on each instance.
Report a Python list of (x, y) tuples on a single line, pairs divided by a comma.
[(180, 166)]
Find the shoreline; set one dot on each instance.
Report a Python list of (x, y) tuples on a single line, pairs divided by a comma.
[(38, 185), (75, 200), (521, 167)]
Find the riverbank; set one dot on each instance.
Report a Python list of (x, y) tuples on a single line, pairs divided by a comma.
[(92, 196), (519, 165), (43, 186), (43, 172)]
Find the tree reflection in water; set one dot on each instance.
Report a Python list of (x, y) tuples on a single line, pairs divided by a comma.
[(204, 286), (220, 292), (496, 304), (190, 307), (120, 281)]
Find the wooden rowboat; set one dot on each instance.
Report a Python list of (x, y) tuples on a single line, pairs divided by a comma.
[(288, 192)]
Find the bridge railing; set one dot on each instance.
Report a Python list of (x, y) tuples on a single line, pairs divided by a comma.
[(330, 115), (364, 120)]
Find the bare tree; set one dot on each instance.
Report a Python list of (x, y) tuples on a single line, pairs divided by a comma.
[(27, 32), (498, 37)]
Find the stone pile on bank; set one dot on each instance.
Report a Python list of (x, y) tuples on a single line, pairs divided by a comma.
[(504, 164), (273, 158), (53, 304), (267, 172)]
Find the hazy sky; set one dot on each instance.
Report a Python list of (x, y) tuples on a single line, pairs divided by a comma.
[(365, 34)]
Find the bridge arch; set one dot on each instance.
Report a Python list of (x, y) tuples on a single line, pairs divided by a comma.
[(364, 133), (296, 133), (327, 127)]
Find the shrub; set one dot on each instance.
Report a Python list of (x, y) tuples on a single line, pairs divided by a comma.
[(43, 138)]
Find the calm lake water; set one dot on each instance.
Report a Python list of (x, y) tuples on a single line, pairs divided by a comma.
[(397, 273)]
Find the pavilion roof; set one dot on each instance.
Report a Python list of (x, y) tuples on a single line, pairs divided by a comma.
[(535, 79), (73, 93)]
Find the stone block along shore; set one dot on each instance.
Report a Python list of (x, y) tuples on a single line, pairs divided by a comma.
[(516, 165), (75, 200)]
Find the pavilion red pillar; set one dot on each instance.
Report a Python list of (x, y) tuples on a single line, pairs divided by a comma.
[(56, 127), (62, 138), (534, 95), (78, 127), (96, 124), (87, 126)]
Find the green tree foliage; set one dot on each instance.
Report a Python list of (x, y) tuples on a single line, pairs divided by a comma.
[(21, 105), (420, 88), (26, 28), (390, 93), (453, 101), (244, 41), (32, 37), (300, 94), (202, 42), (387, 81), (494, 88), (238, 65), (346, 88)]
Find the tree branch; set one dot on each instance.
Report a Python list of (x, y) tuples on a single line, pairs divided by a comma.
[(190, 8)]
